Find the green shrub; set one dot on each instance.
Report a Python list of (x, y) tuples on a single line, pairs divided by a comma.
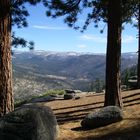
[(49, 92), (54, 92), (19, 103)]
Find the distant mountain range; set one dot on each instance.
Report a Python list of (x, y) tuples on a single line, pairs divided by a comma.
[(37, 71)]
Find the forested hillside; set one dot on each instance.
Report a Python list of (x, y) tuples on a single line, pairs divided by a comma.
[(37, 71)]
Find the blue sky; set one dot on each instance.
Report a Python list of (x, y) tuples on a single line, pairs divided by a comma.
[(54, 35)]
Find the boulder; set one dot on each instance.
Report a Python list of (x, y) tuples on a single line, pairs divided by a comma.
[(103, 117), (43, 99), (29, 123), (69, 91), (72, 91), (68, 96), (77, 97), (53, 95)]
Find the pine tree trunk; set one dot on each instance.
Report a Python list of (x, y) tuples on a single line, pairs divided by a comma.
[(138, 70), (6, 97), (113, 92)]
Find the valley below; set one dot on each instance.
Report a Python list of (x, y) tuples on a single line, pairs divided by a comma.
[(36, 72)]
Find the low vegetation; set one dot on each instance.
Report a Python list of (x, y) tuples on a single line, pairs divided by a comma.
[(54, 92), (20, 102)]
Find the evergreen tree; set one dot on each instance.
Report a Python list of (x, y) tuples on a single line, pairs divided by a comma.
[(6, 97), (91, 87), (128, 75), (125, 76), (98, 85), (113, 92), (134, 11), (114, 13), (12, 12)]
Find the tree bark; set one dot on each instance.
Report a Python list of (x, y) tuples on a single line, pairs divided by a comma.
[(6, 96), (138, 68), (113, 58)]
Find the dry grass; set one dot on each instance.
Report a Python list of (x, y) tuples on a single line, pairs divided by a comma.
[(69, 114)]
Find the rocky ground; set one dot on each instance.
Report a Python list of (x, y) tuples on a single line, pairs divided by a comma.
[(69, 114)]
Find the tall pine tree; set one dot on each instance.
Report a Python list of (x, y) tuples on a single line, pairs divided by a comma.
[(114, 20), (12, 12), (114, 13), (6, 96)]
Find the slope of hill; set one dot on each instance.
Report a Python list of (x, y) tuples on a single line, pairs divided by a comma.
[(37, 71)]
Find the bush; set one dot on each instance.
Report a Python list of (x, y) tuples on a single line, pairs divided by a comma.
[(19, 103), (49, 92), (54, 92)]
